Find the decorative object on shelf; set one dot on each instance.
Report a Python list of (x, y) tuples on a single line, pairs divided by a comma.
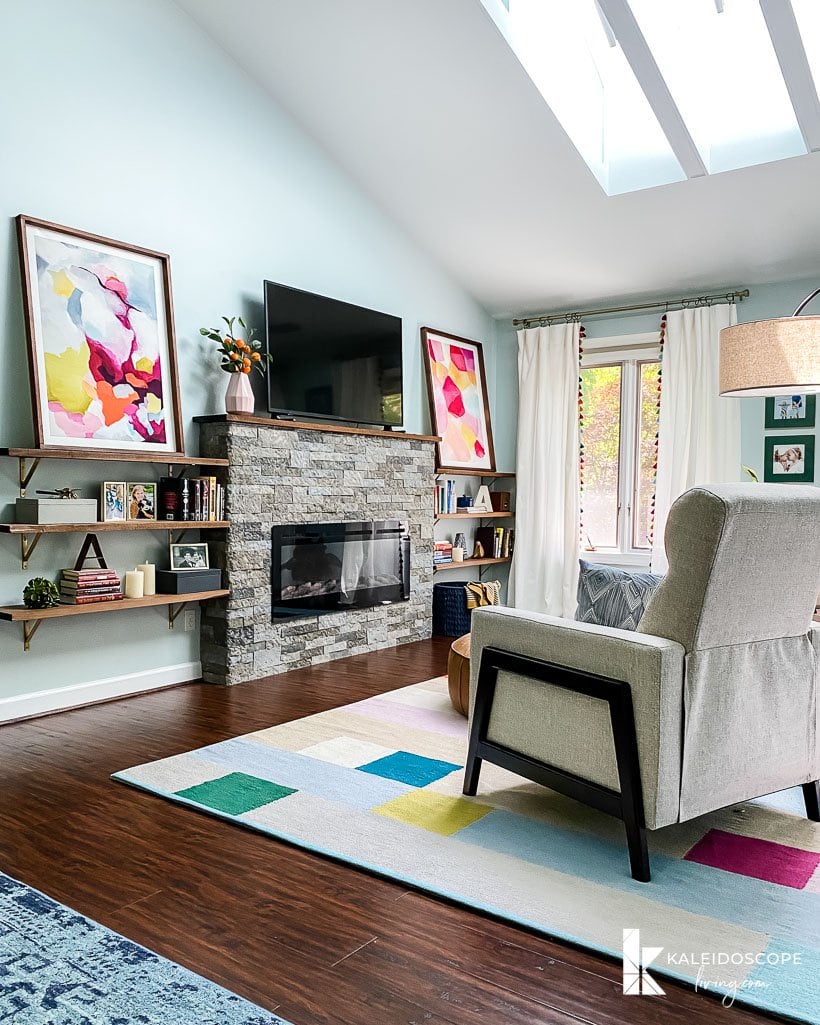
[(189, 556), (91, 550), (142, 501), (112, 501), (483, 502), (458, 554), (89, 586), (102, 355), (149, 578), (459, 410), (55, 510), (464, 503), (188, 581), (789, 459), (500, 501), (239, 357), (134, 584), (790, 411), (68, 494), (478, 550), (40, 593), (459, 547)]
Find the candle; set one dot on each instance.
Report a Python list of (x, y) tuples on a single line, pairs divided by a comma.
[(149, 573), (134, 584)]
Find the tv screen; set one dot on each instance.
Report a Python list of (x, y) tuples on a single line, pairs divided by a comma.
[(331, 359)]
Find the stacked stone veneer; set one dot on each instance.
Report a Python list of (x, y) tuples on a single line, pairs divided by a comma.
[(285, 475)]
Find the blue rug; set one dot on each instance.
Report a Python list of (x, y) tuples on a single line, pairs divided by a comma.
[(59, 968)]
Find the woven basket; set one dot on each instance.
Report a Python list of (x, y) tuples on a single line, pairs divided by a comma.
[(451, 617)]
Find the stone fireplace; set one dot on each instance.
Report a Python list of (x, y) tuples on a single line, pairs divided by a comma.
[(293, 486)]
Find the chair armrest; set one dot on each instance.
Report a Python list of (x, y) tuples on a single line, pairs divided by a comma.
[(572, 731)]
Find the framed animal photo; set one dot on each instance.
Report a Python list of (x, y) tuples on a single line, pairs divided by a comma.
[(787, 412), (142, 501), (789, 458), (189, 556), (112, 501)]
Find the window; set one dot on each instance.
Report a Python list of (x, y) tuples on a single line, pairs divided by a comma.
[(619, 386)]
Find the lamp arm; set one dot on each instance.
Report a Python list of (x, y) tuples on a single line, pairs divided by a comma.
[(806, 302)]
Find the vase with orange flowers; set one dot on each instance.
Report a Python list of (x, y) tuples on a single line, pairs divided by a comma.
[(240, 356)]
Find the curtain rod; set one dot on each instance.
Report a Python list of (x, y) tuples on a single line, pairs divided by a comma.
[(691, 301)]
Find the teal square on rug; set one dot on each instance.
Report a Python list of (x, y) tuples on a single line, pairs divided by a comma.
[(405, 767), (235, 793)]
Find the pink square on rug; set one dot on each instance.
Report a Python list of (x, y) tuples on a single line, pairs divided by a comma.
[(760, 859)]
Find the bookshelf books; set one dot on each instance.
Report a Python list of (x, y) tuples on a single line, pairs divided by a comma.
[(191, 499), (87, 586)]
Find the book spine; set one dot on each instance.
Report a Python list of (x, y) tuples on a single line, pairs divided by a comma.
[(111, 588), (168, 505), (91, 599), (212, 498), (73, 576)]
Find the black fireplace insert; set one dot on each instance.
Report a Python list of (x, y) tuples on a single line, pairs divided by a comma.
[(329, 567)]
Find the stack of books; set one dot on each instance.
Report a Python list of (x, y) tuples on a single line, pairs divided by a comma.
[(87, 586), (496, 542), (197, 499), (442, 552)]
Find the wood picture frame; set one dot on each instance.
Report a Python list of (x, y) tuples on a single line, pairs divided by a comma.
[(459, 407), (789, 459), (790, 412), (102, 350)]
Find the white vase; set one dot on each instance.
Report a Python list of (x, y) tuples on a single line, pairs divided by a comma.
[(239, 394)]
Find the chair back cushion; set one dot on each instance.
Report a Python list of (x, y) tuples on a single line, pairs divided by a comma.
[(611, 596), (744, 565)]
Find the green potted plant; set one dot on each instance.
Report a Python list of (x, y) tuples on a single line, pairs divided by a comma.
[(40, 593), (239, 358)]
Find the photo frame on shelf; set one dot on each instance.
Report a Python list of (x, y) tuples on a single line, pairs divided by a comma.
[(142, 501), (102, 352), (193, 555), (459, 409), (789, 459), (787, 412), (113, 501)]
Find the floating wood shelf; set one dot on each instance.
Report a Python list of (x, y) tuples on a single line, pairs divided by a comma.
[(440, 472), (108, 455), (94, 528), (476, 516), (31, 618), (470, 562)]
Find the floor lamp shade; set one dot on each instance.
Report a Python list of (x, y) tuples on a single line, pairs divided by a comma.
[(771, 357)]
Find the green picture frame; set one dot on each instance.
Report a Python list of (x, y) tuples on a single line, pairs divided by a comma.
[(789, 459), (780, 410)]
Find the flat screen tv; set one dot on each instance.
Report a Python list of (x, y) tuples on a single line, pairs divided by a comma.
[(332, 360)]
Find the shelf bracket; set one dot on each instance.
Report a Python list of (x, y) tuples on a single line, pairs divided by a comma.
[(27, 548), (26, 473), (30, 628), (174, 613)]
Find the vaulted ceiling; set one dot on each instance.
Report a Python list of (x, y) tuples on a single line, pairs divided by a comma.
[(426, 106)]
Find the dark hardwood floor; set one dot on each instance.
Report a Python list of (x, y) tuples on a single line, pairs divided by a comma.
[(318, 942)]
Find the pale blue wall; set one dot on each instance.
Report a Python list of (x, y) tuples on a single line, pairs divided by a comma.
[(125, 120), (765, 301)]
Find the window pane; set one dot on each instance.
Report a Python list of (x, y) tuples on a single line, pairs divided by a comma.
[(645, 477), (601, 391)]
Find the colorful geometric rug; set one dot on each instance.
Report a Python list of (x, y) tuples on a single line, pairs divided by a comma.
[(734, 902), (59, 968)]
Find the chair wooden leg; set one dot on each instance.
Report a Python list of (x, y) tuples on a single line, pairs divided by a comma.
[(484, 695), (811, 795), (638, 853)]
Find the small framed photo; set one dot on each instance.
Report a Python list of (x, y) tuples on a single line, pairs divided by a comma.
[(142, 501), (789, 457), (786, 412), (190, 556), (112, 501)]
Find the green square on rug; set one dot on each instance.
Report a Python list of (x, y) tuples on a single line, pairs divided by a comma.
[(235, 793)]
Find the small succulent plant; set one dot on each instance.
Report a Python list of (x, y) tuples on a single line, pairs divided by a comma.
[(40, 593)]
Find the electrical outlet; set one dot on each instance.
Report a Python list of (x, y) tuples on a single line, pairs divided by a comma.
[(189, 620)]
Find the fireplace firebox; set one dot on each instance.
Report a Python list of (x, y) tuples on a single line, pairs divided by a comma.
[(317, 568)]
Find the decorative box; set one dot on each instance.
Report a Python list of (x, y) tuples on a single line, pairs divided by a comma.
[(500, 501), (187, 581), (56, 510)]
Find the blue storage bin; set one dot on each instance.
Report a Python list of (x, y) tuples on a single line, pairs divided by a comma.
[(451, 617)]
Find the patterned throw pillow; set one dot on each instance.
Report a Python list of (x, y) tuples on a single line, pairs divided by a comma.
[(615, 597)]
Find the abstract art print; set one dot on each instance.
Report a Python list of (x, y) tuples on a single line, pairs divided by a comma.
[(457, 389), (101, 341), (789, 458)]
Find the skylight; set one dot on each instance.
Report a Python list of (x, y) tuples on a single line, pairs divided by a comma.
[(657, 91)]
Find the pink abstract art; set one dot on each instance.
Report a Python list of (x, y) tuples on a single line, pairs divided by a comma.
[(455, 377)]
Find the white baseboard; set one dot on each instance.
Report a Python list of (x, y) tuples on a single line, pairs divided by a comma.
[(39, 702)]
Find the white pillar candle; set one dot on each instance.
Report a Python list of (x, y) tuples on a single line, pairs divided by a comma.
[(134, 584), (149, 573)]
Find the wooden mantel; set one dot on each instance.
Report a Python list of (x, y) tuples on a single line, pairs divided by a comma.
[(302, 425)]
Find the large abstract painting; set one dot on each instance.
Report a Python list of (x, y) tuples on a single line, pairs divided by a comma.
[(457, 389), (101, 341)]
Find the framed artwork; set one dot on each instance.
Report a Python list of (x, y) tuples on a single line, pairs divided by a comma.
[(789, 457), (790, 411), (102, 355), (459, 411), (190, 556), (112, 501), (142, 501)]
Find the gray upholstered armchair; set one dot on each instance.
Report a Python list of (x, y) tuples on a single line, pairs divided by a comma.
[(713, 701)]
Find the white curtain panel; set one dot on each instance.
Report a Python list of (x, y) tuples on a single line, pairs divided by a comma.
[(544, 574), (699, 432)]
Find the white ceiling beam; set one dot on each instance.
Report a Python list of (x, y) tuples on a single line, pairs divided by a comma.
[(636, 50), (795, 68)]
